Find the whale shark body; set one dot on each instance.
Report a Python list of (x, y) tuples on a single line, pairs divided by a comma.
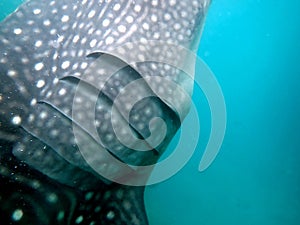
[(64, 66)]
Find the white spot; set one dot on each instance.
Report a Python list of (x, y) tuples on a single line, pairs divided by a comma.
[(38, 43), (17, 215), (37, 30), (40, 84), (74, 25), (65, 27), (19, 14), (136, 117), (91, 30), (121, 51), (79, 14), (153, 66), (106, 22), (172, 2), (154, 18), (109, 137), (62, 91), (101, 71), (5, 41), (81, 25), (43, 115), (52, 198), (30, 22), (89, 195), (54, 69), (91, 14), (3, 60), (177, 26), (146, 26), (54, 44), (79, 219), (84, 2), (11, 73), (65, 18), (184, 14), (18, 31), (65, 65), (109, 40), (83, 65), (134, 27), (36, 184), (60, 38), (167, 67), (39, 66), (54, 11), (49, 93), (122, 28), (129, 45), (83, 41), (167, 16), (156, 35), (65, 7), (33, 102), (195, 3), (53, 31), (55, 81), (31, 118), (180, 37), (129, 19), (143, 41), (141, 58), (93, 43), (110, 215), (54, 133), (75, 66), (80, 53), (76, 38), (137, 8), (18, 48), (98, 32), (25, 60), (154, 2), (78, 99), (117, 7), (16, 120), (47, 22), (37, 11)]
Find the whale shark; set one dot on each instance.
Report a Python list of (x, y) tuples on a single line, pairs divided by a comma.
[(82, 85)]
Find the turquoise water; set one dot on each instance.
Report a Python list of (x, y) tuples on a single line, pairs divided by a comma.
[(6, 7), (253, 48)]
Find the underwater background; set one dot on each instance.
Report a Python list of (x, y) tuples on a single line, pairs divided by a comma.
[(253, 48)]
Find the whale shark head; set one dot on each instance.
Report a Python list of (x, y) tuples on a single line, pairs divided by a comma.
[(82, 86)]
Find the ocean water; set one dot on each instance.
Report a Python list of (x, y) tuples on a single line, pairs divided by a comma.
[(253, 48)]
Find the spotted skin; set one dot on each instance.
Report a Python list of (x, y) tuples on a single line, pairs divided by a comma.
[(29, 197), (48, 48)]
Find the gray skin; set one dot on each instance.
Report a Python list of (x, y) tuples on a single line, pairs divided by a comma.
[(50, 47)]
